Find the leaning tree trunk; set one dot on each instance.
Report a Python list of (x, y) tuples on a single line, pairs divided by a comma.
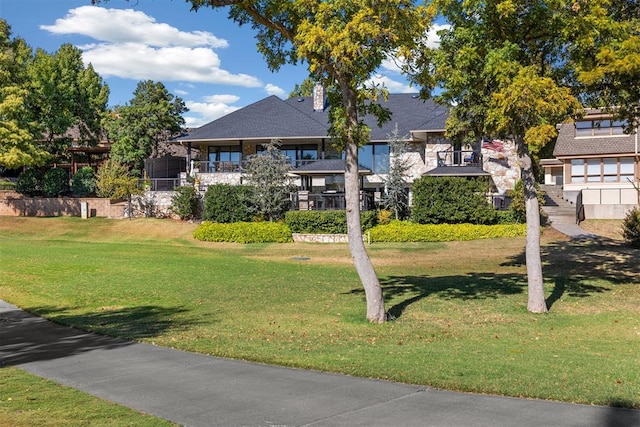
[(364, 267), (535, 282)]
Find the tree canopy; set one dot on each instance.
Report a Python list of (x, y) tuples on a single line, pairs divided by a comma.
[(138, 129)]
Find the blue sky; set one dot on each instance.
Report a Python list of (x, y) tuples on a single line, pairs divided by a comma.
[(203, 57)]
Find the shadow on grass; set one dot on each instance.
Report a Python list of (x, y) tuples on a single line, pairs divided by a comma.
[(472, 286), (573, 266), (26, 338), (616, 416)]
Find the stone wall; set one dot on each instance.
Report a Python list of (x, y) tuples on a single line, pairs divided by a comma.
[(502, 165)]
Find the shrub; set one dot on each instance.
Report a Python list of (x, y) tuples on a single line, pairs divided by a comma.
[(226, 203), (326, 222), (184, 203), (83, 182), (451, 200), (402, 231), (243, 232), (631, 228), (55, 182), (115, 181), (30, 182)]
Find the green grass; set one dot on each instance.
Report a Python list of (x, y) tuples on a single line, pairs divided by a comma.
[(460, 307), (27, 400)]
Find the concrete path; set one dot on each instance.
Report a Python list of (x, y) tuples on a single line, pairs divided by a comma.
[(198, 390), (574, 231)]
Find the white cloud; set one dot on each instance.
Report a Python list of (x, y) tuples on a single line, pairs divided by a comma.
[(433, 39), (272, 89), (128, 26), (213, 107), (132, 45), (393, 86)]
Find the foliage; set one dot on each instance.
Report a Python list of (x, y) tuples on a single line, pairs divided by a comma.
[(384, 217), (139, 128), (267, 175), (343, 43), (517, 206), (83, 182), (185, 203), (18, 143), (631, 228), (64, 93), (325, 222), (115, 181), (30, 182), (396, 188), (55, 182), (453, 200), (227, 203), (403, 231), (243, 232)]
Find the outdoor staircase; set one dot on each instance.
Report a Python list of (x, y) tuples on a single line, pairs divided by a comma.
[(558, 209)]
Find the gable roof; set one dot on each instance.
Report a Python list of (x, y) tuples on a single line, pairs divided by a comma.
[(273, 117), (567, 145)]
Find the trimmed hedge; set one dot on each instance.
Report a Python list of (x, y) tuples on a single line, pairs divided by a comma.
[(326, 222), (401, 231), (631, 228), (243, 232), (227, 203)]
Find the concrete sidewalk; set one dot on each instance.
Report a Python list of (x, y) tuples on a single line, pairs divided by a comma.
[(198, 390)]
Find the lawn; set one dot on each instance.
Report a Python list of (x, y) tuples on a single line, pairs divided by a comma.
[(460, 307)]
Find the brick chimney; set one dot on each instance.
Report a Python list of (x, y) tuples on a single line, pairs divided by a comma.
[(318, 97)]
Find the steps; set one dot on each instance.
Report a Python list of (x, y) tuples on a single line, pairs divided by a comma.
[(558, 209)]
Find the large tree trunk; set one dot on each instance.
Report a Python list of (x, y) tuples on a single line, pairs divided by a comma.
[(535, 282), (364, 267)]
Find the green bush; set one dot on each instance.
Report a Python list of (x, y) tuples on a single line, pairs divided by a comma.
[(184, 202), (83, 182), (5, 184), (451, 200), (227, 203), (55, 182), (631, 228), (326, 222), (402, 231), (243, 232), (30, 182)]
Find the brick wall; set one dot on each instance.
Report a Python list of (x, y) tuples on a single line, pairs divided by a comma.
[(15, 204)]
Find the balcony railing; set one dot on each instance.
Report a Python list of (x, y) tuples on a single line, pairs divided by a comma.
[(459, 158), (234, 166), (327, 201)]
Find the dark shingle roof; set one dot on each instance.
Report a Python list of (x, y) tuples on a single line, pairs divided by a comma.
[(567, 145), (457, 171), (274, 118)]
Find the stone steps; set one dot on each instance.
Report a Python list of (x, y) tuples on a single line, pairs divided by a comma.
[(558, 209)]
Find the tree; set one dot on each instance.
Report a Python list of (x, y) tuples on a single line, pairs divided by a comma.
[(115, 181), (18, 144), (502, 65), (268, 175), (63, 93), (343, 42), (138, 129), (605, 54), (395, 197)]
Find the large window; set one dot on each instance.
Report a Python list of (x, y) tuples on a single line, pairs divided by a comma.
[(605, 127), (614, 169), (225, 158), (297, 155), (375, 157)]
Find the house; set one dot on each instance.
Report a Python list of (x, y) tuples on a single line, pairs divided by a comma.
[(597, 164), (300, 124)]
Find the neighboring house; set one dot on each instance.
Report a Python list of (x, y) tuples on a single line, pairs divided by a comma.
[(301, 127), (597, 164)]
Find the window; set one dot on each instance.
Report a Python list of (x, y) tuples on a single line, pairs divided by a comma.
[(577, 170), (297, 154), (225, 158), (602, 170), (604, 127), (375, 157)]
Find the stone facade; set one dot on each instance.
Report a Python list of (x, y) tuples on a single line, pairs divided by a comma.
[(502, 165), (15, 204)]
